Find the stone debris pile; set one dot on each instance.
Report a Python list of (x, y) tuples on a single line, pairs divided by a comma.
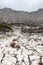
[(21, 50)]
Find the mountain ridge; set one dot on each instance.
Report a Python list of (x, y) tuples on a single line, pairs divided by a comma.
[(12, 16)]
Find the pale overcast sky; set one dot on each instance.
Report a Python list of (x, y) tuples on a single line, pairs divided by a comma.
[(26, 5)]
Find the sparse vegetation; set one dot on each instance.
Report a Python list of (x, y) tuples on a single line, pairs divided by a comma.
[(5, 27)]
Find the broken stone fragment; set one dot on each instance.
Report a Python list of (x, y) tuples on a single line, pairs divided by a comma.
[(18, 46), (1, 56), (14, 39), (13, 44)]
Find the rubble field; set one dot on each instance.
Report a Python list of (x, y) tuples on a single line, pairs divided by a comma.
[(21, 49)]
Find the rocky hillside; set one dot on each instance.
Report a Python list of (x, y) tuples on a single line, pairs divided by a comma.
[(32, 19), (11, 16)]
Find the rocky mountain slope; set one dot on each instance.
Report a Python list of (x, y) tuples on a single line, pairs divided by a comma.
[(18, 48), (21, 18), (9, 15)]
